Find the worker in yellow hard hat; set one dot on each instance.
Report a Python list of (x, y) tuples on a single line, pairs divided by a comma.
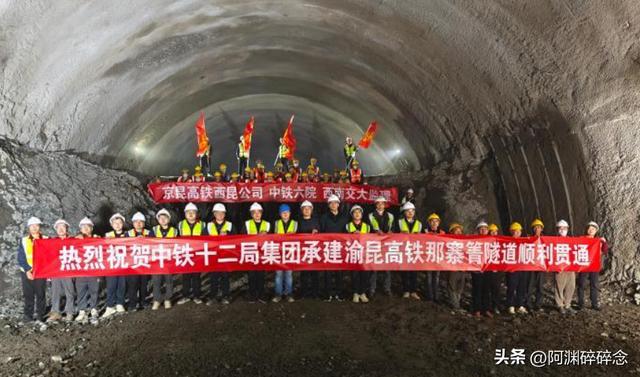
[(223, 170), (197, 175), (493, 229), (269, 177), (217, 176), (234, 177), (456, 280), (481, 283), (537, 279), (344, 177), (517, 282), (432, 278), (313, 166), (497, 277), (326, 177)]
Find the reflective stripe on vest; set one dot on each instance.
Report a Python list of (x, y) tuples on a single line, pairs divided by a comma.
[(171, 232), (251, 227), (349, 149), (291, 228), (213, 230), (241, 151), (404, 226), (186, 230), (283, 151), (27, 245), (351, 228), (374, 221)]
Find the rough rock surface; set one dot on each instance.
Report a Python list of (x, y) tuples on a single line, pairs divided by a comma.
[(52, 185)]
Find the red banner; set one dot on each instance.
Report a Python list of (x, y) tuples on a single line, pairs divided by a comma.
[(198, 192), (393, 252), (201, 135)]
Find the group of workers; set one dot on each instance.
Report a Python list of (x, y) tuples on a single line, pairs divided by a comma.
[(524, 290), (285, 170)]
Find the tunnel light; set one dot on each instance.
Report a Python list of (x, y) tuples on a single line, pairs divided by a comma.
[(138, 149), (395, 152)]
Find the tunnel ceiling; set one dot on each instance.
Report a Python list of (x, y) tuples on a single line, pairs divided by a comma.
[(546, 90), (125, 80)]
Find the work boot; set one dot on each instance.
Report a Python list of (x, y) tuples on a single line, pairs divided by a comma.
[(522, 310), (488, 314), (120, 309), (156, 305), (94, 313), (225, 301), (53, 317), (512, 310), (82, 316), (167, 304), (415, 296), (183, 300), (197, 301), (356, 298), (108, 312), (290, 299), (406, 295), (364, 298), (276, 299)]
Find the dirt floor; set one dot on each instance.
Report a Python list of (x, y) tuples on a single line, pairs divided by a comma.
[(388, 337)]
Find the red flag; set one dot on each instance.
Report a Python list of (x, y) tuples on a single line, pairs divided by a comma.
[(248, 133), (201, 134), (289, 140), (368, 136)]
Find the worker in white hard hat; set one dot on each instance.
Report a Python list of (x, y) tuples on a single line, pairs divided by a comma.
[(359, 278), (164, 229), (408, 197), (565, 281), (116, 285), (137, 285), (308, 223), (62, 287), (349, 151), (381, 221), (33, 290), (409, 224), (220, 226), (256, 225), (189, 227), (593, 277), (333, 221), (88, 287)]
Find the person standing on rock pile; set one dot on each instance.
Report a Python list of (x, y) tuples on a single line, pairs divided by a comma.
[(537, 278), (594, 277), (256, 225), (381, 221), (163, 230), (456, 279), (481, 283), (517, 284), (565, 281), (33, 290), (284, 225), (88, 287), (191, 226), (410, 225), (359, 278), (62, 286), (116, 285), (219, 227), (137, 285), (432, 278)]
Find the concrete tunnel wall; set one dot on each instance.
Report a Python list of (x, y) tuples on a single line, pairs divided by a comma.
[(491, 109)]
